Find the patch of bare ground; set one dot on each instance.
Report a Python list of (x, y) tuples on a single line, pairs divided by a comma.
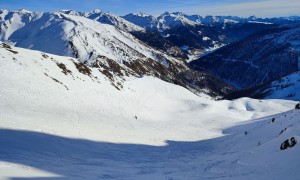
[(83, 68), (45, 56), (8, 48), (55, 80), (110, 65), (111, 69), (64, 69)]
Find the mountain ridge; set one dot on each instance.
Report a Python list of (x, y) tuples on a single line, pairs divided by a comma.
[(262, 57), (121, 48)]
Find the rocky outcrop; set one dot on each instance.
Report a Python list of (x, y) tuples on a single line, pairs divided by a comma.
[(288, 143), (297, 106)]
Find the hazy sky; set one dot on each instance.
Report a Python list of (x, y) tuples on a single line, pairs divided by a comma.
[(260, 8)]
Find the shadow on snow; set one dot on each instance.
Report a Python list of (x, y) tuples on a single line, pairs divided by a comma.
[(85, 159)]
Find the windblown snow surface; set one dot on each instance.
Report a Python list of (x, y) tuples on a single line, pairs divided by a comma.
[(58, 121)]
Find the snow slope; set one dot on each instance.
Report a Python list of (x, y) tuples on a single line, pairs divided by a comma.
[(60, 118), (287, 87)]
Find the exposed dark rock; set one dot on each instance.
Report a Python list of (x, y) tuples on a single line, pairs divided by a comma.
[(8, 48), (55, 80), (297, 106), (83, 68), (64, 68), (288, 143), (45, 56)]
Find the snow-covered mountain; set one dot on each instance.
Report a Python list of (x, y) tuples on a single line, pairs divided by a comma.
[(197, 35), (121, 48), (143, 20), (106, 18), (180, 35), (93, 43), (60, 117), (260, 58), (96, 44), (162, 22), (169, 20), (117, 21), (74, 36), (152, 39), (190, 36)]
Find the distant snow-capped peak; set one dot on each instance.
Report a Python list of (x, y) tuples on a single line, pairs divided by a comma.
[(175, 19), (106, 18), (109, 18), (71, 12), (24, 11), (140, 14), (96, 11), (162, 22)]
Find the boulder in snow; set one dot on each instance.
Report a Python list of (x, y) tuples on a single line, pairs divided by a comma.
[(288, 143), (297, 106)]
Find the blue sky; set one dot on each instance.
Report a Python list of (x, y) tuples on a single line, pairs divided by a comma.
[(260, 8)]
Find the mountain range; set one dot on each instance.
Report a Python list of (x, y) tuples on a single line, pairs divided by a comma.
[(212, 55), (260, 58)]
